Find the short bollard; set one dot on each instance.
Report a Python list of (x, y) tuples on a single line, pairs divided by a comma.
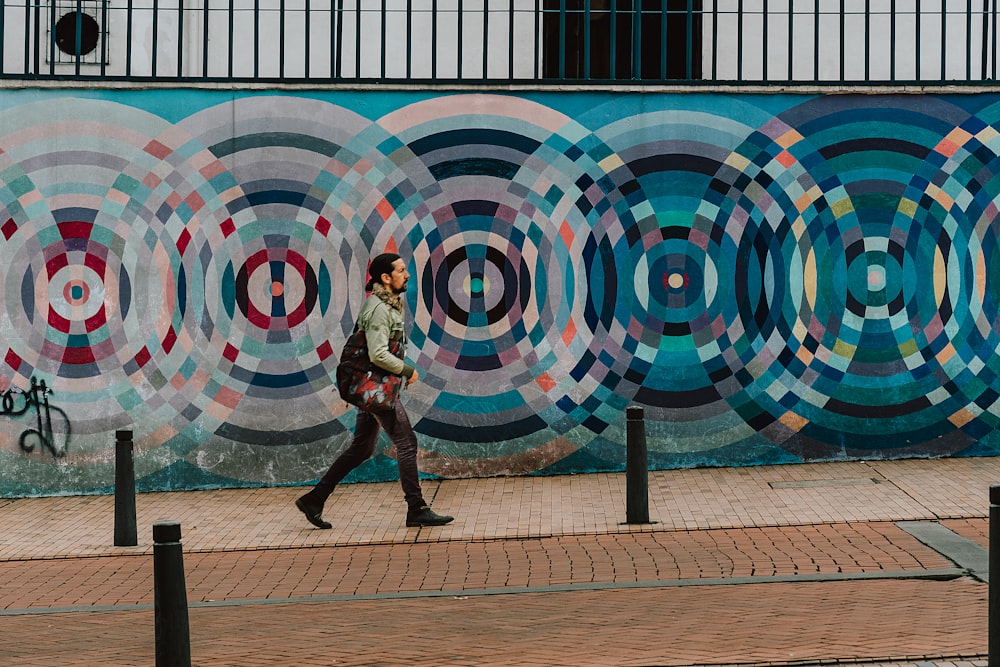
[(636, 467), (125, 528), (993, 628), (173, 638)]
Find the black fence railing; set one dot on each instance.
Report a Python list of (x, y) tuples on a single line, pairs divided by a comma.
[(503, 41)]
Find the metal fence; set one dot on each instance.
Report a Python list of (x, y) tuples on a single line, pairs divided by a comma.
[(503, 41)]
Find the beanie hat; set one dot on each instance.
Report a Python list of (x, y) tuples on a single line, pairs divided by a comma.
[(381, 264)]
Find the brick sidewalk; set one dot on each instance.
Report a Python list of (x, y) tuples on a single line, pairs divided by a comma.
[(647, 559), (762, 624), (535, 571)]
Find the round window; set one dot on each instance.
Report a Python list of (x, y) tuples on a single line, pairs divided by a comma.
[(66, 33)]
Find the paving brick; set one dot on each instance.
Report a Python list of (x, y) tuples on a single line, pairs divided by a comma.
[(534, 571)]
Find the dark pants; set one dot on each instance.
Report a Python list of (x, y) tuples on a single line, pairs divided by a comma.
[(397, 425)]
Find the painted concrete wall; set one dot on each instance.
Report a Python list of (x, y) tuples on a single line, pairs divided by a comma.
[(774, 278)]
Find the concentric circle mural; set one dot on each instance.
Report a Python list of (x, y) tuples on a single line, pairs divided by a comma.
[(772, 278), (494, 243)]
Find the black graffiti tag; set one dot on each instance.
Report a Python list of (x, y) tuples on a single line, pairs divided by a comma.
[(15, 402)]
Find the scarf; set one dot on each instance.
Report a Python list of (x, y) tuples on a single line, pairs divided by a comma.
[(391, 299)]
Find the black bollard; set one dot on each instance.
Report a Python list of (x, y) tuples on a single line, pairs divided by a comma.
[(125, 528), (173, 638), (993, 632), (636, 467)]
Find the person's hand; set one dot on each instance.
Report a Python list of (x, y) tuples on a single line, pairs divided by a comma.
[(413, 378)]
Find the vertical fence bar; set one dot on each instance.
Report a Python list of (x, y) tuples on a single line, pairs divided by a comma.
[(281, 39), (103, 39), (765, 20), (986, 40), (968, 32), (539, 8), (357, 39), (636, 68), (689, 68), (337, 43), (409, 40), (791, 39), (916, 41), (588, 39), (156, 36), (180, 38), (51, 41), (486, 38), (205, 23), (511, 16), (892, 40), (577, 57), (664, 39), (968, 40), (307, 48), (562, 39), (993, 39), (739, 40), (36, 56), (613, 42), (944, 38), (715, 39), (336, 36), (383, 11), (434, 39), (27, 38), (537, 40), (868, 39), (77, 37), (51, 45), (232, 32), (842, 38), (461, 37), (128, 39), (256, 39), (816, 34)]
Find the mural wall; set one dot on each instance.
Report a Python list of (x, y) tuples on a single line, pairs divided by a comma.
[(774, 278)]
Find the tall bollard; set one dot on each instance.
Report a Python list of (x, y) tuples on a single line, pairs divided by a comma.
[(993, 632), (173, 638), (125, 528), (636, 467)]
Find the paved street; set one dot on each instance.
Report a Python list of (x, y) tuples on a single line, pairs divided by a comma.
[(871, 562)]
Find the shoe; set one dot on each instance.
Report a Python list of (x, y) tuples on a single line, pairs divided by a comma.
[(313, 512), (425, 516)]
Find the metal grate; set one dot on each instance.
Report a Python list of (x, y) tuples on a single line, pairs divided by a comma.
[(76, 31)]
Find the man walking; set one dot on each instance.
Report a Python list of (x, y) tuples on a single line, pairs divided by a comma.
[(382, 320)]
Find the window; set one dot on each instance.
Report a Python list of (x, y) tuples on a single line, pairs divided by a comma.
[(622, 39)]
